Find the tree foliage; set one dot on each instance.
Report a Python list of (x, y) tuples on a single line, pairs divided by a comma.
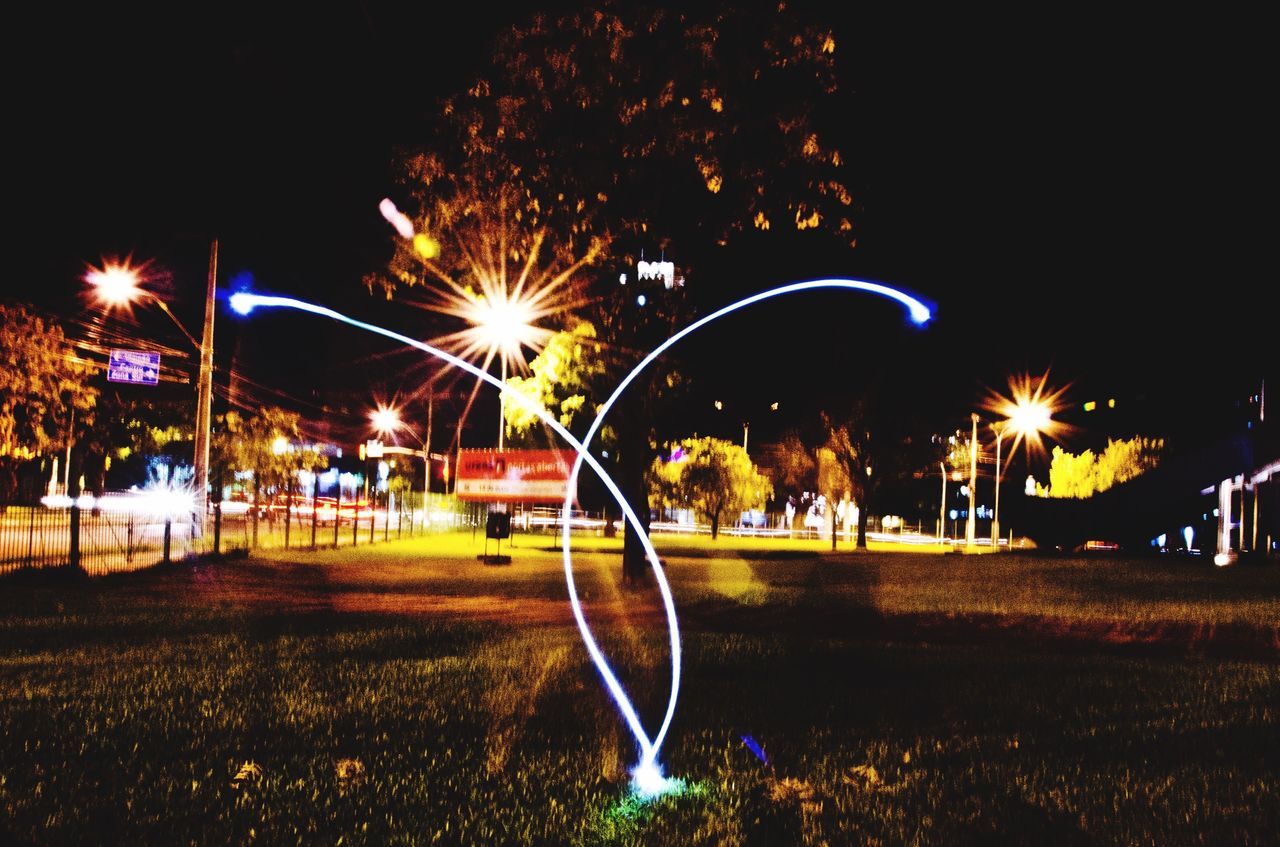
[(1085, 474), (44, 391), (714, 477), (595, 135), (264, 443), (600, 125), (560, 379)]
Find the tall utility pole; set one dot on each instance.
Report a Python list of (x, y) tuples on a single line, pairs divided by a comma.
[(426, 453), (204, 396), (942, 510), (971, 524), (998, 428), (502, 406)]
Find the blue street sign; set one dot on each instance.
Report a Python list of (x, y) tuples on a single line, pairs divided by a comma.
[(134, 366)]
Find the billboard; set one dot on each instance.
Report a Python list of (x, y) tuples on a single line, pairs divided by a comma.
[(513, 476)]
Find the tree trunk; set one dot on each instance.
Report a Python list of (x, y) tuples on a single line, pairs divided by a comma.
[(633, 460), (863, 511)]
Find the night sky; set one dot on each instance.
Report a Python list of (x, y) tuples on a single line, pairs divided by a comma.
[(1076, 190)]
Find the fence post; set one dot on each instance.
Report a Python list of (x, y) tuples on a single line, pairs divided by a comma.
[(337, 512), (31, 536), (315, 504), (254, 545), (217, 528), (128, 544), (73, 551), (168, 533), (355, 521), (288, 508)]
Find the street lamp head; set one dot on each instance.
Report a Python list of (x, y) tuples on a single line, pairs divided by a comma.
[(385, 419), (1028, 411), (116, 284), (505, 324), (1028, 415)]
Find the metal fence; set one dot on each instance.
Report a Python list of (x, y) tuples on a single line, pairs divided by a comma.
[(105, 541), (97, 541)]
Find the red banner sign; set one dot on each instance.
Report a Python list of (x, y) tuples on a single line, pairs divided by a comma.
[(514, 476)]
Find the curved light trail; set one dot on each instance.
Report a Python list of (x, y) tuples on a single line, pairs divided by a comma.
[(647, 775), (245, 302)]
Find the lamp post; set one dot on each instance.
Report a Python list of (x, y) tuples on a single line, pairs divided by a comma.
[(504, 325), (746, 424), (970, 525), (118, 285), (1028, 416), (998, 428), (386, 421)]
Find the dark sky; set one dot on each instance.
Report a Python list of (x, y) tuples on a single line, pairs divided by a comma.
[(1074, 188)]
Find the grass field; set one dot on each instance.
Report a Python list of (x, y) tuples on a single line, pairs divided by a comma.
[(405, 694)]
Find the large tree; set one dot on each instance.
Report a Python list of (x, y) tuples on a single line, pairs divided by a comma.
[(45, 393), (714, 477), (594, 136)]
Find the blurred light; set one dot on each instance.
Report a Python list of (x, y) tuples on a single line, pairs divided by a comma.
[(503, 324), (1091, 405), (1222, 559), (280, 445), (719, 405), (115, 284), (426, 246), (641, 300), (1111, 404), (1187, 534), (649, 781), (242, 302), (386, 419), (396, 218)]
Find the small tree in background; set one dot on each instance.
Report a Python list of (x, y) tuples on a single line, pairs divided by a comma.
[(713, 476), (45, 395)]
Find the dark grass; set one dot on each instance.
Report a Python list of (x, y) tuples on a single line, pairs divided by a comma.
[(126, 714)]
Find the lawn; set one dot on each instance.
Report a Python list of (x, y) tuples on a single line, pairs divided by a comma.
[(405, 694)]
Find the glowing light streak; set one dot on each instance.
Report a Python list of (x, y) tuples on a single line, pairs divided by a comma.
[(920, 314), (647, 776), (396, 218), (244, 303)]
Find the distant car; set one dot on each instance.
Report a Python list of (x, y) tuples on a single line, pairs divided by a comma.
[(1094, 546)]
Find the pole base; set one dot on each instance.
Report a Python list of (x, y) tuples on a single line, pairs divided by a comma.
[(493, 559)]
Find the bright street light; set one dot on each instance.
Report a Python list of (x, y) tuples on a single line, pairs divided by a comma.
[(504, 324), (115, 285), (386, 421), (119, 286), (1028, 414)]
